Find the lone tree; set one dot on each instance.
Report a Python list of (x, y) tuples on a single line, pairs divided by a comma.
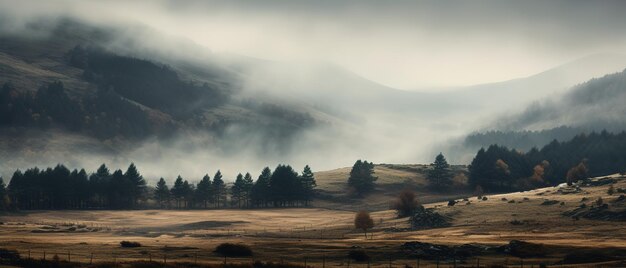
[(162, 193), (440, 177), (363, 221), (361, 177), (406, 204)]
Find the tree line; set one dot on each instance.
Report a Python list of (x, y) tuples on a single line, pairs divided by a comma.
[(60, 188), (501, 169)]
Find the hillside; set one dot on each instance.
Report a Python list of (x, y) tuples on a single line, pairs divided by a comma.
[(333, 191)]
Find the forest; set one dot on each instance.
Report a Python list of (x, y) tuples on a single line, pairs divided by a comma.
[(60, 188), (499, 168)]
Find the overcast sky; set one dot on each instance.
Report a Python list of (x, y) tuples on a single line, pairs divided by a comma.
[(403, 44)]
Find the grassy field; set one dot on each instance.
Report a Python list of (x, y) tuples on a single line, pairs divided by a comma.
[(317, 234)]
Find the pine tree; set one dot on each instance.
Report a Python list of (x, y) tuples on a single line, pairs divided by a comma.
[(284, 185), (204, 190), (361, 178), (137, 183), (99, 183), (219, 189), (440, 177), (308, 184), (119, 190), (4, 199), (188, 193), (178, 190), (162, 193), (261, 189), (248, 183), (237, 190)]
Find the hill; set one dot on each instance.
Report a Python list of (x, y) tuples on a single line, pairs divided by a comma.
[(334, 193)]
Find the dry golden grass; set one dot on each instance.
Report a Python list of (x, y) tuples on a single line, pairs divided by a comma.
[(293, 234)]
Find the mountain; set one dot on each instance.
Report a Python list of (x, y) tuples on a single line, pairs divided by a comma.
[(518, 93), (593, 106), (133, 94)]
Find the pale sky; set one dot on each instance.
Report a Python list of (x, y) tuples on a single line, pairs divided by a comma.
[(403, 44)]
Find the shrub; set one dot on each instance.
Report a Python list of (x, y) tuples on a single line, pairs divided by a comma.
[(358, 255), (233, 250), (406, 204), (611, 190), (451, 203), (599, 202), (549, 202), (484, 198), (130, 244)]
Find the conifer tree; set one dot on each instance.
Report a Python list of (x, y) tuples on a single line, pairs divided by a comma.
[(440, 177), (248, 183), (361, 178), (219, 189), (162, 193), (308, 184), (204, 190), (188, 193), (237, 189), (261, 189), (178, 190), (137, 183), (4, 199)]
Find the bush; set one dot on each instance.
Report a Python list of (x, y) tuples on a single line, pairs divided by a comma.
[(9, 255), (549, 202), (406, 204), (358, 255), (233, 250), (451, 203), (129, 244)]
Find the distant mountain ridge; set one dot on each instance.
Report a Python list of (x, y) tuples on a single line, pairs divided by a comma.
[(593, 106)]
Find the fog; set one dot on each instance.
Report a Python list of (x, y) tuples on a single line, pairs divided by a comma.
[(390, 82)]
